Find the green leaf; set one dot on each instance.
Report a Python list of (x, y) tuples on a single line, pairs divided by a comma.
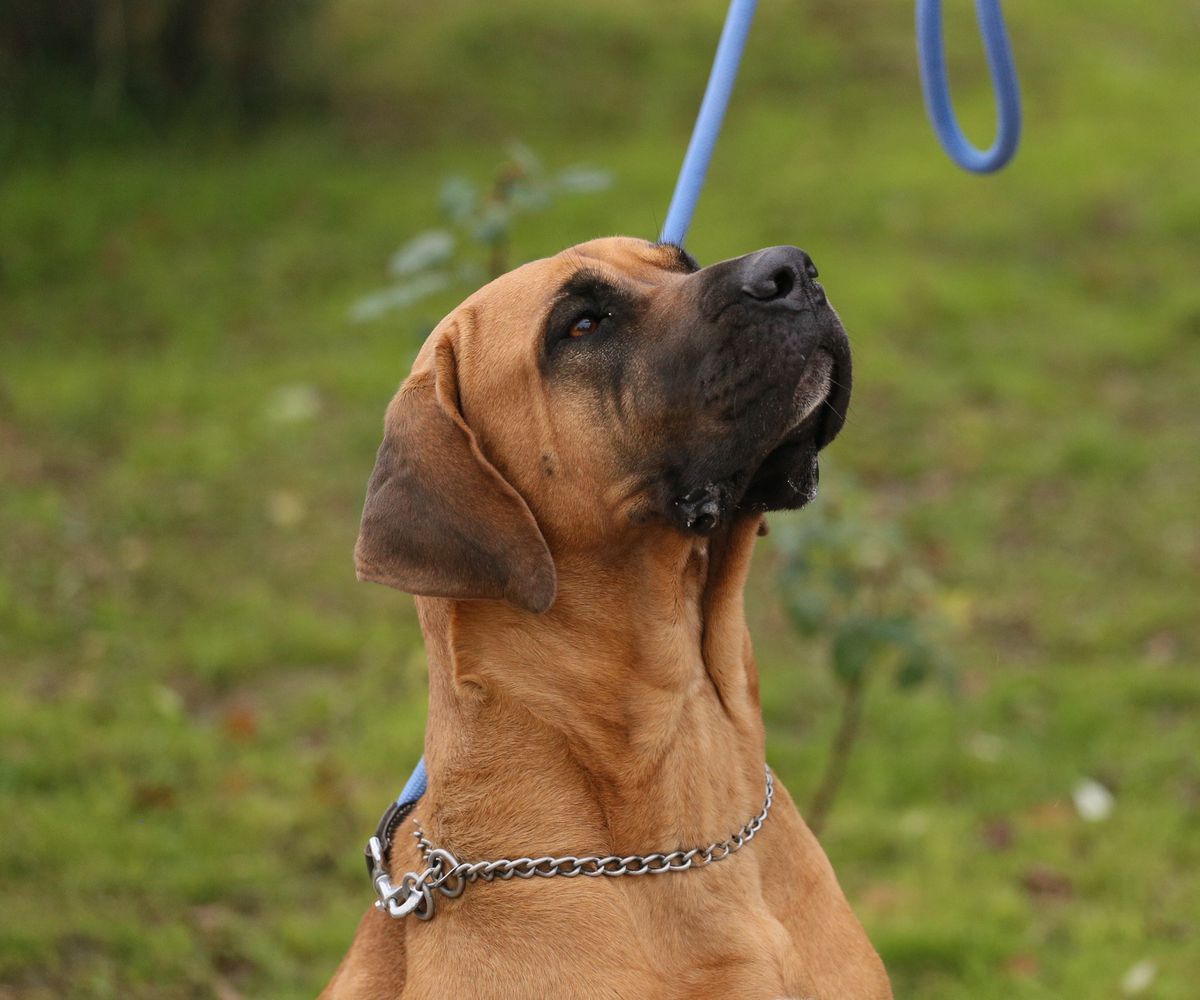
[(898, 631), (426, 250), (398, 296), (493, 224), (459, 199), (530, 197), (471, 273), (581, 179), (915, 668), (525, 158), (854, 646), (844, 580), (807, 609)]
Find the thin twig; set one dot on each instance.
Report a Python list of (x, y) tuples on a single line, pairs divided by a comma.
[(839, 757)]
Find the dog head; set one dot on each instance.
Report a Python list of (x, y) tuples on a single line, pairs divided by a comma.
[(616, 387)]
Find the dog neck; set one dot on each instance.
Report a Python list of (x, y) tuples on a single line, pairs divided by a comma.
[(624, 719)]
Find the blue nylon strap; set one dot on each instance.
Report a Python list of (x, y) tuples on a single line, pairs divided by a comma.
[(708, 121), (415, 787), (932, 58)]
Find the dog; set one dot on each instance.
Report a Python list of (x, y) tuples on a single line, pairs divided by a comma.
[(571, 481)]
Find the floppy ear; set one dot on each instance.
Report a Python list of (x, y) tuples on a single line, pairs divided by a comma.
[(439, 520)]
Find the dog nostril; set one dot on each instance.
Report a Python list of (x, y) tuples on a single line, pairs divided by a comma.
[(785, 281), (810, 268), (777, 285)]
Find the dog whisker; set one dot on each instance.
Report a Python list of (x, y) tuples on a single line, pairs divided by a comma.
[(834, 409)]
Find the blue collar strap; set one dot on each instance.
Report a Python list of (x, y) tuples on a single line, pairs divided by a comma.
[(396, 813)]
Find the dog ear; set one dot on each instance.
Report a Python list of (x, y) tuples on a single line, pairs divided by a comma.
[(439, 519)]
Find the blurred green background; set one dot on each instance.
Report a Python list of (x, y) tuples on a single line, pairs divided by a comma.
[(203, 713)]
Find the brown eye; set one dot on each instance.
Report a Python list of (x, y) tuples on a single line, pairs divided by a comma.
[(583, 326)]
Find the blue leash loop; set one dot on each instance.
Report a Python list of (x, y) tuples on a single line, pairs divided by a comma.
[(708, 127), (935, 85), (932, 59)]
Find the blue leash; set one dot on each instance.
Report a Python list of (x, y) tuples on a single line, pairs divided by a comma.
[(935, 85), (708, 121), (932, 58), (708, 128)]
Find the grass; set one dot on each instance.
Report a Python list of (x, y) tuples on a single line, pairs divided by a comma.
[(203, 713)]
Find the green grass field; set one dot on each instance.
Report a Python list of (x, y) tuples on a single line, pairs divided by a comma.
[(203, 713)]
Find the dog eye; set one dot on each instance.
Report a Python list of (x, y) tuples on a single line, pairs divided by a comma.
[(586, 324)]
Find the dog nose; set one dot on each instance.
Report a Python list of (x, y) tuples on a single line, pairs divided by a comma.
[(777, 274)]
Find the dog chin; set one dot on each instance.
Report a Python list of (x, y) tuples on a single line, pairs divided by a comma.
[(786, 478)]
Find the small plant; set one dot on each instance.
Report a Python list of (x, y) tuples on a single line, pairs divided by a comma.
[(474, 245), (849, 580)]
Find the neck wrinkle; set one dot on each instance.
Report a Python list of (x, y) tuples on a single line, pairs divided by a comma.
[(623, 720)]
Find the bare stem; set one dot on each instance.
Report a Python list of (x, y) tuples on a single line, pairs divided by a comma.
[(839, 756)]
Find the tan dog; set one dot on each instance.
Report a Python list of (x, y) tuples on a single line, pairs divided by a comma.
[(572, 479)]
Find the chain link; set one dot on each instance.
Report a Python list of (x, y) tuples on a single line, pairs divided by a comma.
[(449, 876)]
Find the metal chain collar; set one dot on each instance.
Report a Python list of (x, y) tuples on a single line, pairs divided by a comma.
[(449, 876)]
